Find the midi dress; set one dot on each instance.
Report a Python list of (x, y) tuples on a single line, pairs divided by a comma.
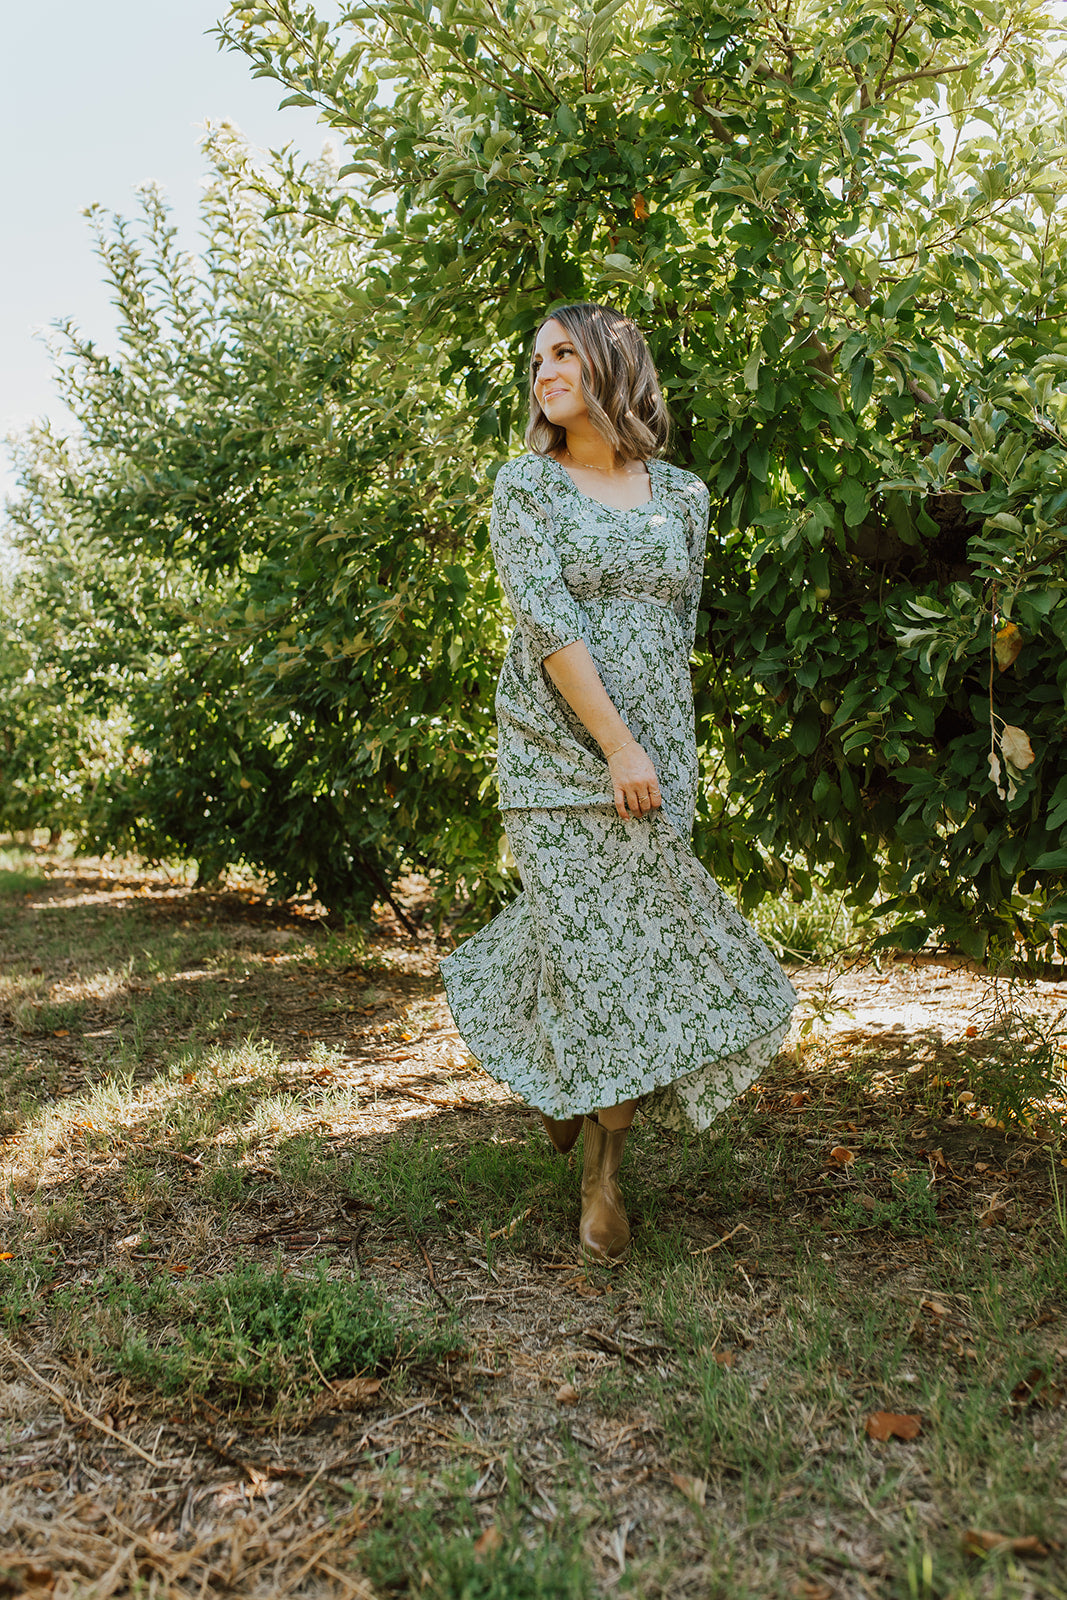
[(620, 971)]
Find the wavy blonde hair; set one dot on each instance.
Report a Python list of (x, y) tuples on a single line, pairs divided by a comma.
[(619, 385)]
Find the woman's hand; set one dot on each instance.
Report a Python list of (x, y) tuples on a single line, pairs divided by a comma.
[(633, 778)]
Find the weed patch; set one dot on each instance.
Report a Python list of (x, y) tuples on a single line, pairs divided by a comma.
[(251, 1337), (433, 1543)]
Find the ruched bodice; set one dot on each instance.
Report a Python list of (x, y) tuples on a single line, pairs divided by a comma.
[(628, 583)]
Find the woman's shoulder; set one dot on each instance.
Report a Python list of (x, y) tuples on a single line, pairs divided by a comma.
[(681, 481), (522, 472)]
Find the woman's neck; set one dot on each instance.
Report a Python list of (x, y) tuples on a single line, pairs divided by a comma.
[(591, 450)]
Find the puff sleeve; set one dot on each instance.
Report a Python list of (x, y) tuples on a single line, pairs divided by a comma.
[(698, 511), (529, 567)]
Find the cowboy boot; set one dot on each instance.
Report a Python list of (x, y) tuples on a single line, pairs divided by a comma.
[(604, 1231), (562, 1132)]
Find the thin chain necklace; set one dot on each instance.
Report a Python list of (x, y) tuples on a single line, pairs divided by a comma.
[(588, 466)]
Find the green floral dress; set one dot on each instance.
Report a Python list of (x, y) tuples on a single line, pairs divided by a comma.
[(621, 971)]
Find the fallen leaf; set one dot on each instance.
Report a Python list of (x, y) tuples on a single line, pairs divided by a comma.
[(797, 1100), (972, 1033), (351, 1393), (979, 1541), (841, 1156), (1038, 1389), (695, 1489), (582, 1286), (489, 1542), (966, 1098), (935, 1308), (994, 1212), (62, 1033), (892, 1425), (567, 1394), (812, 1589), (7, 1255), (726, 1358), (1007, 643), (27, 1581), (1016, 747)]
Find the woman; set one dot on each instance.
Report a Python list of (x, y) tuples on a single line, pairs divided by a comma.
[(621, 975)]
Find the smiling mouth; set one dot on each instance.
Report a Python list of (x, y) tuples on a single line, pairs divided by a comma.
[(553, 394)]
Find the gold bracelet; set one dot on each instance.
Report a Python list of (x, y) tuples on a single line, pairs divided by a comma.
[(609, 753)]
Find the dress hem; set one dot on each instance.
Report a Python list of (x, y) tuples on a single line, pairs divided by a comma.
[(655, 1080)]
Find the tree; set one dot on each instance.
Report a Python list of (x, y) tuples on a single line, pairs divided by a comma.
[(249, 552), (841, 224), (58, 737)]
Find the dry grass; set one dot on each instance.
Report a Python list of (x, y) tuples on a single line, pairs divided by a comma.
[(234, 1085)]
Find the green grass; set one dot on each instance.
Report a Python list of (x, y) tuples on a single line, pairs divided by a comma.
[(433, 1544), (175, 1158), (19, 874), (815, 928), (774, 1429), (251, 1337)]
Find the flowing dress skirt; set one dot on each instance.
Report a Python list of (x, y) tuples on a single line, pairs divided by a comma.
[(621, 971)]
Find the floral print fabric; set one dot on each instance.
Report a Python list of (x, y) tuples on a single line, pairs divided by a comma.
[(628, 583), (621, 971)]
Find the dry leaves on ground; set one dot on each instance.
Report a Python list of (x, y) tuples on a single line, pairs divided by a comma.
[(893, 1425), (980, 1541), (694, 1489)]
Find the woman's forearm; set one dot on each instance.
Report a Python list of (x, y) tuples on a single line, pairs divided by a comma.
[(574, 674)]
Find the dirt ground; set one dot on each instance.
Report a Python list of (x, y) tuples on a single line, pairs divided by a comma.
[(108, 1489)]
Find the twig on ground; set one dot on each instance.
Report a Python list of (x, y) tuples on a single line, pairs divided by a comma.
[(433, 1277), (358, 1588), (72, 1405), (509, 1227), (703, 1251), (387, 1422)]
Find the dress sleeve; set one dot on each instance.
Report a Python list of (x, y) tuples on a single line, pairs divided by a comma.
[(529, 567), (698, 510)]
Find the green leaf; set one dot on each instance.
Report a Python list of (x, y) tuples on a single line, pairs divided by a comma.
[(1050, 861), (806, 733), (856, 501), (861, 383), (904, 292)]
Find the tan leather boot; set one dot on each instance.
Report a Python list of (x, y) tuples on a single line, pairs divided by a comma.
[(604, 1231), (562, 1132)]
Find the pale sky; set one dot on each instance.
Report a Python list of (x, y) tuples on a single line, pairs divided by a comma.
[(96, 97)]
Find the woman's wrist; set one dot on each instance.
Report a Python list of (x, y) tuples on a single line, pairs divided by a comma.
[(622, 745)]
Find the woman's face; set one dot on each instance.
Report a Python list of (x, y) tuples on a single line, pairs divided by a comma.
[(558, 376)]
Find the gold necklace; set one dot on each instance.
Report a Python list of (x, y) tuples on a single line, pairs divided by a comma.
[(588, 466)]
